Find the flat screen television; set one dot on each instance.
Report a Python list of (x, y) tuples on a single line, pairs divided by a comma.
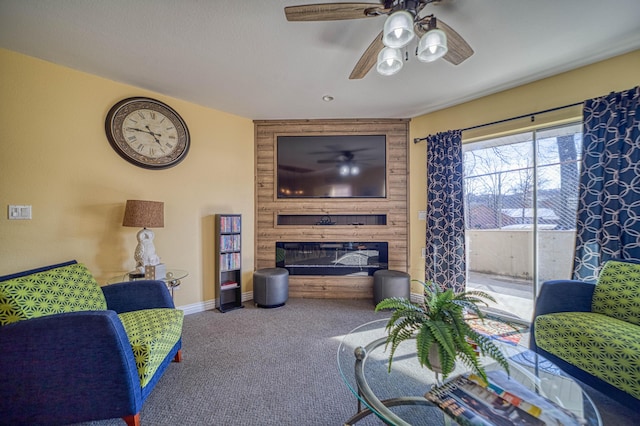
[(351, 166)]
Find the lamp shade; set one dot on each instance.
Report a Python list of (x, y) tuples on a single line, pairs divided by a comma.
[(432, 45), (398, 30), (389, 61), (144, 214)]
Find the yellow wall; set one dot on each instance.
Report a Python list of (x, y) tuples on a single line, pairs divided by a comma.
[(54, 155), (616, 74)]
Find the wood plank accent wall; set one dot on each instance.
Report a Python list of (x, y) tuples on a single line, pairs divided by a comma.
[(395, 206)]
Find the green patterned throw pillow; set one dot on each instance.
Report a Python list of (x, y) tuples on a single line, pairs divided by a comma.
[(617, 293), (69, 288)]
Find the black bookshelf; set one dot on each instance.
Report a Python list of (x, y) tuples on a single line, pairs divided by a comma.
[(229, 261)]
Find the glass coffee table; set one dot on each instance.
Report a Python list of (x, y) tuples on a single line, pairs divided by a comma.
[(397, 397)]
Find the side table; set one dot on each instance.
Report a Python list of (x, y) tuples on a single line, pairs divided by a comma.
[(172, 278)]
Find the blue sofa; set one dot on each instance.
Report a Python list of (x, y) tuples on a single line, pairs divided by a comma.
[(73, 351), (592, 331)]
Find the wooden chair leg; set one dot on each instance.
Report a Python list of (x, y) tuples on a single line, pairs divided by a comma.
[(133, 420), (178, 357)]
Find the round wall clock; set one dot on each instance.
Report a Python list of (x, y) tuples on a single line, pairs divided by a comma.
[(147, 133)]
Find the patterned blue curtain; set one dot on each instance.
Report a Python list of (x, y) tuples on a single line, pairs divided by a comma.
[(445, 262), (608, 222)]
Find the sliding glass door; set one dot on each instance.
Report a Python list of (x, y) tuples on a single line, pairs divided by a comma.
[(520, 205)]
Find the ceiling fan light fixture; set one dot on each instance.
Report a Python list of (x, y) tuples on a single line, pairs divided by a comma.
[(398, 29), (432, 45), (389, 61)]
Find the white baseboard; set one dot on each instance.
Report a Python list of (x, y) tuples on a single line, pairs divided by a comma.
[(198, 307), (209, 305)]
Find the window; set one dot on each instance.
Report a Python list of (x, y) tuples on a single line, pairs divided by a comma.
[(521, 196)]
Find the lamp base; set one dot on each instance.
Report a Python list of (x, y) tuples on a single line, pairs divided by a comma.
[(145, 253)]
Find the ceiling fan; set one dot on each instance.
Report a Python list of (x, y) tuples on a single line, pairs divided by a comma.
[(384, 50)]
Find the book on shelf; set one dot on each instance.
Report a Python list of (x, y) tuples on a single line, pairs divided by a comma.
[(230, 261), (471, 401), (229, 284), (230, 242), (230, 224)]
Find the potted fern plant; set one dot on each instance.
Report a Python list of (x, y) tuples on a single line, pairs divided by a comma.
[(438, 325)]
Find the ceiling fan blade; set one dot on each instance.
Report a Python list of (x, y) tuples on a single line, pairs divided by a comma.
[(459, 49), (368, 58), (331, 11)]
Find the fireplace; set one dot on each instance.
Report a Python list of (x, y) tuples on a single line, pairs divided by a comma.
[(332, 258)]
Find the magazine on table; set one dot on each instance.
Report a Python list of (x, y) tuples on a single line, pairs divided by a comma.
[(552, 413), (471, 401)]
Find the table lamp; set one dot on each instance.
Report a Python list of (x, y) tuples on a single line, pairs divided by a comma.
[(144, 214)]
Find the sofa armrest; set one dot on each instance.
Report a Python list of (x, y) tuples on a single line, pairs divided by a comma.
[(564, 296), (561, 296), (67, 368), (137, 295)]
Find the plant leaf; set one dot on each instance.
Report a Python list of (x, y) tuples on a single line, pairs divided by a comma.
[(439, 319)]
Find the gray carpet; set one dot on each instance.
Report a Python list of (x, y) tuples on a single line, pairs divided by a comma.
[(274, 367)]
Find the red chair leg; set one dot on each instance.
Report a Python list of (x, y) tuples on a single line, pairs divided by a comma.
[(178, 357), (133, 420)]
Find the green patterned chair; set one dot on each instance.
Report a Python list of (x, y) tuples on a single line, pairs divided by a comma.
[(73, 351), (592, 331)]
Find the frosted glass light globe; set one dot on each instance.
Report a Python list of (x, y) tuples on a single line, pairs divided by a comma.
[(398, 30), (432, 46), (389, 61)]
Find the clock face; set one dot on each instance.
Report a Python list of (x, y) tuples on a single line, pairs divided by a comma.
[(147, 133)]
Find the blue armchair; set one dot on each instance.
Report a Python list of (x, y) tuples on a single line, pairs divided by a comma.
[(592, 331), (73, 351)]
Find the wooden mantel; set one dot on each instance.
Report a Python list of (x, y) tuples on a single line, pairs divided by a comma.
[(394, 206)]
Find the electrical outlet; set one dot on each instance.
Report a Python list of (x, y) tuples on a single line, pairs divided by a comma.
[(19, 212), (424, 252), (422, 215)]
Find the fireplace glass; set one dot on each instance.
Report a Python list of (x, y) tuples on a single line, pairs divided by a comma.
[(332, 258)]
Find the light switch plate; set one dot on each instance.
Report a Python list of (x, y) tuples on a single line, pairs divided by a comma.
[(19, 212)]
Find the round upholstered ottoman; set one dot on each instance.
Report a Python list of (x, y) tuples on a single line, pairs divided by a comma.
[(270, 287), (388, 283)]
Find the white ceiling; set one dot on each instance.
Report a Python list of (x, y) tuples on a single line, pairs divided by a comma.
[(245, 58)]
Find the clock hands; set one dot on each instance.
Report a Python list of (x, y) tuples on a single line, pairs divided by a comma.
[(153, 134), (144, 131), (150, 132)]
